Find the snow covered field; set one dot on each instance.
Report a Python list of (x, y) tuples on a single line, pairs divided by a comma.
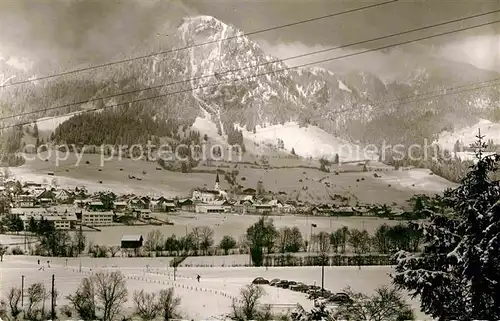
[(417, 179), (234, 225), (207, 299)]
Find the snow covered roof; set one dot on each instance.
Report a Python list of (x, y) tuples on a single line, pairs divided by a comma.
[(131, 237), (66, 217)]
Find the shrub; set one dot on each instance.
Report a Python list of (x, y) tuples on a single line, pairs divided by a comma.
[(17, 251)]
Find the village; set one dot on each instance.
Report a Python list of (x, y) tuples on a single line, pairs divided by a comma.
[(68, 209)]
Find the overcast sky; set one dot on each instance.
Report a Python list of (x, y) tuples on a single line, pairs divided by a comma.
[(71, 33)]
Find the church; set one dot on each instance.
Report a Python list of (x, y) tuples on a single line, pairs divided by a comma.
[(209, 195)]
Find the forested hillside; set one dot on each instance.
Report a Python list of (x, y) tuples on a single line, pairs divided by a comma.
[(124, 126)]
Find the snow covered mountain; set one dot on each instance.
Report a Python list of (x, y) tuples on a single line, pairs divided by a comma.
[(235, 82)]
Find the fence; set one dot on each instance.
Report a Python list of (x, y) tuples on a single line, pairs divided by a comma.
[(174, 284), (332, 260)]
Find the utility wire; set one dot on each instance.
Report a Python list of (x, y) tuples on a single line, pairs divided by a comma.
[(335, 112), (201, 44), (285, 59), (446, 90)]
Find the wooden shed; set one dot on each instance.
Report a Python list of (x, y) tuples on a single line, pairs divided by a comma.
[(131, 241)]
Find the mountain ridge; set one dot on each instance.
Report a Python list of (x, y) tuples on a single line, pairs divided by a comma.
[(309, 95)]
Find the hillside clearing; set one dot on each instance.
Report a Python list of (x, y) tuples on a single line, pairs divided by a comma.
[(297, 183)]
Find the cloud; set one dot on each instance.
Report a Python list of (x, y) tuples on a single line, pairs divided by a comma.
[(82, 31), (480, 51), (338, 60)]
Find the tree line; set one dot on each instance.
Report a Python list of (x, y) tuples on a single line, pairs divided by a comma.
[(50, 241), (260, 239)]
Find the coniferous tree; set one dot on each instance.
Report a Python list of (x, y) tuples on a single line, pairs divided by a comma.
[(35, 130), (457, 275)]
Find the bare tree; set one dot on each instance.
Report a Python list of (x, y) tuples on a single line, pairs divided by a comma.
[(83, 300), (154, 241), (206, 238), (323, 241), (3, 250), (249, 309), (168, 304), (196, 237), (37, 294), (13, 297), (283, 239), (359, 241), (387, 304), (114, 250), (3, 310), (79, 241), (146, 305), (111, 291)]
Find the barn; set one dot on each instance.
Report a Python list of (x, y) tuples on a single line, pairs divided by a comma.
[(131, 241)]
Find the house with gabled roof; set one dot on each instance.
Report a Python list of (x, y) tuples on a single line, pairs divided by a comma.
[(162, 204), (244, 206), (186, 205), (120, 206), (137, 203), (63, 196)]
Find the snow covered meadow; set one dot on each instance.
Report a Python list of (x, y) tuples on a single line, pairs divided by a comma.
[(209, 299)]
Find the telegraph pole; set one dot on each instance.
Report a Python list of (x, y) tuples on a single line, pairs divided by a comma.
[(53, 303), (323, 274), (323, 255), (22, 291)]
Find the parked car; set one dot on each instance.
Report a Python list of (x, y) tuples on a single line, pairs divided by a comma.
[(260, 280), (299, 287), (274, 282), (340, 297), (317, 294), (312, 289), (283, 284)]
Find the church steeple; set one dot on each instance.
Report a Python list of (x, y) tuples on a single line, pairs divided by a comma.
[(216, 186)]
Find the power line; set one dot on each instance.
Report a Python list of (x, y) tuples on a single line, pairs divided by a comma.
[(284, 69), (434, 96), (202, 44), (486, 84), (200, 87)]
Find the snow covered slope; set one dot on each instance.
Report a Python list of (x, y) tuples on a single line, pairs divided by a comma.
[(467, 135), (308, 141), (49, 124)]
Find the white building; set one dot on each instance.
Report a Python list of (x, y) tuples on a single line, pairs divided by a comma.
[(20, 211), (24, 201), (209, 195), (96, 218), (143, 213), (61, 222), (213, 207)]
